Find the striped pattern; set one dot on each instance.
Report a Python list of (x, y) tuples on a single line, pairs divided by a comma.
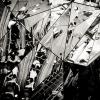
[(50, 84), (1, 8), (24, 68)]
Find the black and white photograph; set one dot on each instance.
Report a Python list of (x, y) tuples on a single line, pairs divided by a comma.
[(49, 49)]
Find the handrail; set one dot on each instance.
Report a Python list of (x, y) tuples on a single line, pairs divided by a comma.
[(49, 85)]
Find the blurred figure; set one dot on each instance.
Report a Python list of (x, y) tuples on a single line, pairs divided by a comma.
[(21, 52), (30, 84), (11, 87), (13, 59), (33, 74), (41, 55), (11, 21), (15, 71), (36, 64)]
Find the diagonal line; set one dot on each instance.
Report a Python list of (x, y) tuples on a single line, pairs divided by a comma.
[(93, 45), (46, 10), (79, 40), (49, 29), (10, 12), (28, 64), (45, 85), (42, 12), (55, 94), (59, 17), (67, 31), (39, 40), (86, 47), (17, 4), (86, 19), (83, 21), (32, 15)]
